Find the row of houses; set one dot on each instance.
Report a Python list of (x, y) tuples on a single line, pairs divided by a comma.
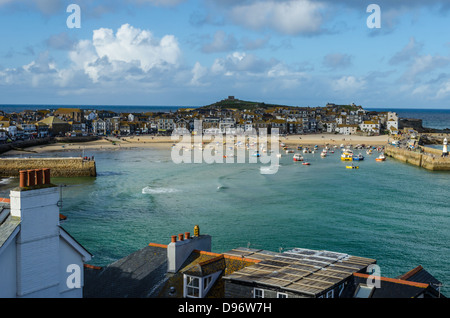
[(346, 120)]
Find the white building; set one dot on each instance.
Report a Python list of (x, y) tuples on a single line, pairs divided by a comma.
[(370, 127), (347, 129), (392, 122), (38, 258)]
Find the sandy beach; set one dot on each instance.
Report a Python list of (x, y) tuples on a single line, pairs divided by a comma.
[(165, 142)]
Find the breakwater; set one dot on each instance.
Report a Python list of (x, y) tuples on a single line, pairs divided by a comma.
[(60, 167), (21, 145), (427, 158)]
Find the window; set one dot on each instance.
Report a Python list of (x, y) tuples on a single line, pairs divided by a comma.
[(193, 286), (206, 281), (330, 294), (258, 293), (364, 291), (282, 295)]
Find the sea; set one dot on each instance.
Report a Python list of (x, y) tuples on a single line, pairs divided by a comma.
[(390, 211)]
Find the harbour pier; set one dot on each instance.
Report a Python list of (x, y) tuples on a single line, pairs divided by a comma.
[(424, 157), (60, 167)]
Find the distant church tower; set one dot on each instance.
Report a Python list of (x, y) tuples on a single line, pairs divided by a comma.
[(444, 150)]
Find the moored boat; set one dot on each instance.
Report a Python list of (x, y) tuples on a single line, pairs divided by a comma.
[(359, 157), (352, 167), (347, 156), (298, 157), (381, 157)]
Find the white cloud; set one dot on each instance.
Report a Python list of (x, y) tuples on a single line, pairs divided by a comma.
[(348, 84), (198, 72), (221, 43), (287, 17), (130, 44), (423, 65), (165, 3), (408, 52), (444, 91)]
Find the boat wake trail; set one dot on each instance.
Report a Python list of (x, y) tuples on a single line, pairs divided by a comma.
[(151, 190)]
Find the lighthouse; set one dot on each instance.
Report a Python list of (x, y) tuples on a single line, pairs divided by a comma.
[(444, 150)]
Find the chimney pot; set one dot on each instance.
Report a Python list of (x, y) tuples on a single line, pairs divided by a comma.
[(46, 172), (174, 238), (23, 178), (180, 236), (39, 175), (196, 230), (31, 178), (187, 235)]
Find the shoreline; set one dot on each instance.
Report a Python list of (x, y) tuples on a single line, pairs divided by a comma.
[(166, 142)]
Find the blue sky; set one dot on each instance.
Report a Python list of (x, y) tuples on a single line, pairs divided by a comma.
[(195, 52)]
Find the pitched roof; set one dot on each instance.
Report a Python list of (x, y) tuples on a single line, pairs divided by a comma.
[(8, 224), (420, 275), (389, 287), (51, 120), (138, 275)]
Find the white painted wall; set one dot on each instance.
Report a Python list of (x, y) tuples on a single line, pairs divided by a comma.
[(37, 260)]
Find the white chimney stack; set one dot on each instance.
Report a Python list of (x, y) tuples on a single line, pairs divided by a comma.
[(179, 250)]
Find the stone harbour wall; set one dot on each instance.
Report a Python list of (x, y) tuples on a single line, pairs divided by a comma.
[(430, 162), (59, 167)]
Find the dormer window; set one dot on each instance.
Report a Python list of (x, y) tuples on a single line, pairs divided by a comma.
[(198, 287), (192, 286)]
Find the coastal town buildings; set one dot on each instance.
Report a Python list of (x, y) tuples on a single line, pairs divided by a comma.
[(226, 116)]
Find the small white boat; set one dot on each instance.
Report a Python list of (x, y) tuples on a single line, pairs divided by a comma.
[(298, 157)]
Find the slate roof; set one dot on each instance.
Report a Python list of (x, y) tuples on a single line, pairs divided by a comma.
[(138, 275), (390, 288), (420, 275), (8, 224)]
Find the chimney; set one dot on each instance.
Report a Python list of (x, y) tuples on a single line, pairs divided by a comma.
[(39, 175), (34, 177), (23, 178), (38, 239), (179, 251), (31, 178)]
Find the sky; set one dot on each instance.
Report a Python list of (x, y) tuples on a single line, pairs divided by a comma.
[(196, 52)]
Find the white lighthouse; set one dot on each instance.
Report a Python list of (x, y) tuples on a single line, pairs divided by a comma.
[(444, 150)]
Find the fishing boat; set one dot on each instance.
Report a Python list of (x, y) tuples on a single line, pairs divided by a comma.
[(381, 158), (358, 157), (306, 163), (347, 156), (323, 154), (298, 157), (352, 167), (289, 151)]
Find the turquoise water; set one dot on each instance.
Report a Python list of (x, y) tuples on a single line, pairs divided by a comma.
[(390, 211)]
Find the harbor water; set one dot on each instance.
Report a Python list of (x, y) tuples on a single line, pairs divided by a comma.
[(395, 213)]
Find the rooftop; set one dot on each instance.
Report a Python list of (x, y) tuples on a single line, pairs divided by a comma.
[(299, 270)]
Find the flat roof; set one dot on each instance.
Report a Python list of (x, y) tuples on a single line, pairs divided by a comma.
[(298, 270)]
